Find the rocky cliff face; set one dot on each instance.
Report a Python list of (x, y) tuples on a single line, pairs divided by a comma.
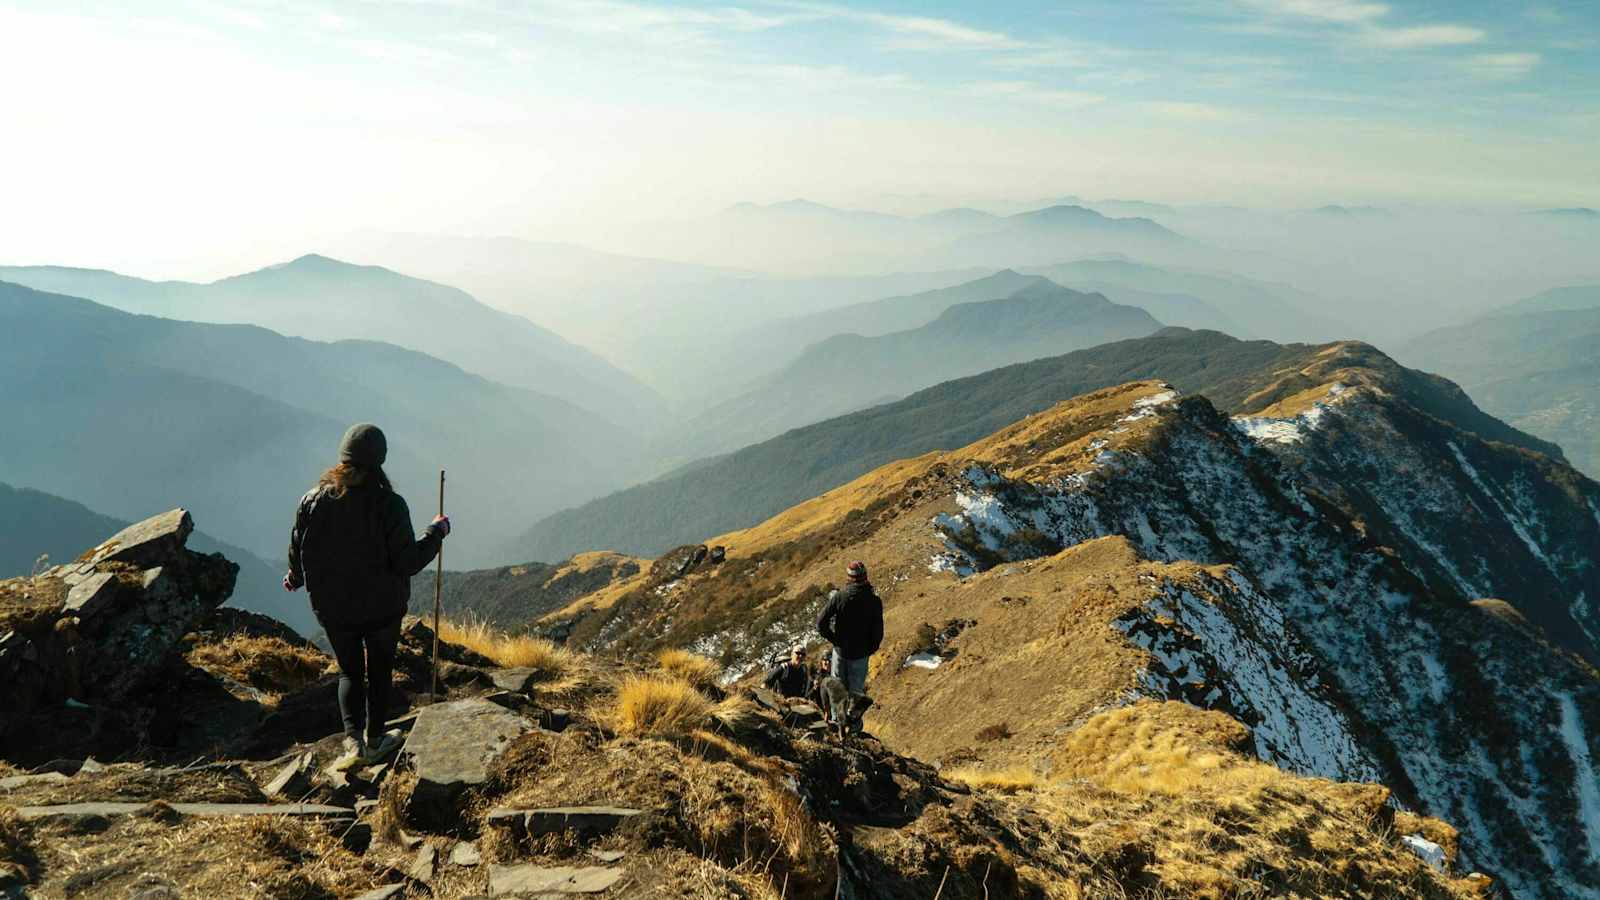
[(1321, 572)]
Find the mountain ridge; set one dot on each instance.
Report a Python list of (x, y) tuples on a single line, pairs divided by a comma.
[(1318, 571), (761, 480)]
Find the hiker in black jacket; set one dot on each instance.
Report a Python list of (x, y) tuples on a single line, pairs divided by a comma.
[(353, 549), (790, 678), (853, 622)]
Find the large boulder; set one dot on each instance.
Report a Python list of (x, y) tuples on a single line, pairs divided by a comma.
[(92, 631)]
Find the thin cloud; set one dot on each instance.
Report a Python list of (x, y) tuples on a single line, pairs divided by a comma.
[(1192, 112), (1421, 36), (1322, 10), (1503, 65), (1034, 93), (1366, 23), (942, 31)]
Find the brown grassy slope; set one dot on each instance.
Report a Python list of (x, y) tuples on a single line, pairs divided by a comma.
[(1150, 801), (779, 569), (1039, 656)]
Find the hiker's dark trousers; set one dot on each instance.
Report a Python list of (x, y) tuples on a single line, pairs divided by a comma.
[(366, 669)]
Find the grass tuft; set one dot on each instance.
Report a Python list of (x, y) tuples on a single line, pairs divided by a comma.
[(268, 664), (1010, 780), (691, 667), (512, 651), (659, 706)]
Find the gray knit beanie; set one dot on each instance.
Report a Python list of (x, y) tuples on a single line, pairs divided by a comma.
[(364, 445)]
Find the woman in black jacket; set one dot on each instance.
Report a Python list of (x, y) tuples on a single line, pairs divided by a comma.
[(353, 550)]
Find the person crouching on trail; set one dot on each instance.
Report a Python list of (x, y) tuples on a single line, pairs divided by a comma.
[(353, 550), (853, 622), (790, 678)]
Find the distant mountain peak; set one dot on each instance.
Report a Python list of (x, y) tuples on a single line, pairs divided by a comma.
[(319, 263)]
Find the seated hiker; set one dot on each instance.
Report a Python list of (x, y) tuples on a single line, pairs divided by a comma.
[(852, 621), (353, 550), (790, 678)]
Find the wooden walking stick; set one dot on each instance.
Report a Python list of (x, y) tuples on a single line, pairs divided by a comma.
[(438, 591)]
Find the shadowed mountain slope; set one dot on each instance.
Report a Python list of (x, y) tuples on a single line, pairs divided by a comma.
[(325, 299), (847, 372), (1538, 369), (131, 413)]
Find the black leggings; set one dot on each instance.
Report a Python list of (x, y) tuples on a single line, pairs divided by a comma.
[(366, 669)]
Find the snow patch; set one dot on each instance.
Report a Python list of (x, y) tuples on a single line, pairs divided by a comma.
[(1266, 430), (1516, 523), (922, 661), (1431, 853), (1588, 787), (1247, 656)]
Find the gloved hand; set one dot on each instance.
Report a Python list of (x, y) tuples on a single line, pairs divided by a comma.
[(441, 524), (288, 582)]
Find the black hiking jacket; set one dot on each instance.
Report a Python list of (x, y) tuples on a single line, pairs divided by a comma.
[(789, 679), (356, 554), (853, 621)]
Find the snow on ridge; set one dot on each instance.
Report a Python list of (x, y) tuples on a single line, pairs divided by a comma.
[(1244, 653), (1587, 781), (1294, 429), (1516, 523)]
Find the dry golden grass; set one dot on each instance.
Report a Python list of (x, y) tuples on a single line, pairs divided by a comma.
[(691, 667), (1165, 783), (1164, 748), (269, 664), (656, 706), (1010, 780), (512, 651), (264, 856), (17, 859), (389, 814)]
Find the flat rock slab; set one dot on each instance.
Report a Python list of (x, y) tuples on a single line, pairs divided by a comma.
[(516, 681), (203, 810), (423, 865), (466, 855), (92, 596), (553, 820), (551, 879), (13, 782), (452, 746), (156, 540)]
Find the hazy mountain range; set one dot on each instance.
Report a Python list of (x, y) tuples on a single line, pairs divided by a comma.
[(1028, 319), (324, 299), (1536, 363), (129, 414)]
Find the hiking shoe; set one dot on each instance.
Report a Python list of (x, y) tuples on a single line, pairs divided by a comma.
[(381, 748), (355, 750)]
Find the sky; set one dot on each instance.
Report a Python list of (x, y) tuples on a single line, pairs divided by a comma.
[(167, 137)]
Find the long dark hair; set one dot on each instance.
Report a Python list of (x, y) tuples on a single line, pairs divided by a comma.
[(344, 476)]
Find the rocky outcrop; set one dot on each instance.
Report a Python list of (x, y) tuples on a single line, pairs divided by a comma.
[(93, 631)]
